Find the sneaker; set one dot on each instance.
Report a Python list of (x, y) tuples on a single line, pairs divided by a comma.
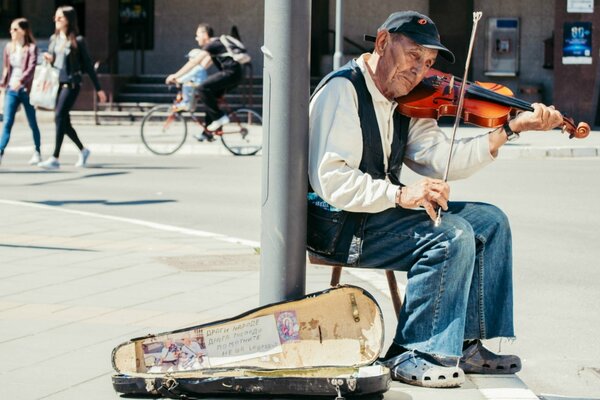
[(218, 123), (421, 369), (83, 156), (51, 163), (36, 158), (205, 136), (476, 359)]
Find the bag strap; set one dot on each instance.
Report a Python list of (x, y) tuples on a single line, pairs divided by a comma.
[(228, 42)]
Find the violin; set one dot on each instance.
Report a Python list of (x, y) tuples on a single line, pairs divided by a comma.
[(486, 104)]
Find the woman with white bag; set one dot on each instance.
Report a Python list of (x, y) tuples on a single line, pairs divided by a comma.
[(68, 53), (19, 60)]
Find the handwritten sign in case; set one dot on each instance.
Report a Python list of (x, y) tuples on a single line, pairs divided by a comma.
[(254, 338)]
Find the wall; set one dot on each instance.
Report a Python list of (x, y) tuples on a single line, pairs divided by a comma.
[(175, 23), (39, 14), (536, 24), (577, 85), (175, 29), (362, 18)]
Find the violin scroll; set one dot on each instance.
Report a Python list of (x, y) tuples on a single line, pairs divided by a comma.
[(582, 130)]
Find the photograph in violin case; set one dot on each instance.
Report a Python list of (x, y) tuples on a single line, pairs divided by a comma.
[(323, 344)]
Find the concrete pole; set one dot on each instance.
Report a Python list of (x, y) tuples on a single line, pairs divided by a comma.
[(285, 149), (338, 56)]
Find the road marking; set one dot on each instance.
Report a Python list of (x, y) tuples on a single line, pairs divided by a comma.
[(147, 224), (375, 278)]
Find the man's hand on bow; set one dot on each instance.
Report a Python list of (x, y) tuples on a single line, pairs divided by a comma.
[(428, 193)]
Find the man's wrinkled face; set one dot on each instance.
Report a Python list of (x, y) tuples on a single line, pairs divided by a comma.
[(402, 65)]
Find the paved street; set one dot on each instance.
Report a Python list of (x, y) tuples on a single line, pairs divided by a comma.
[(138, 243)]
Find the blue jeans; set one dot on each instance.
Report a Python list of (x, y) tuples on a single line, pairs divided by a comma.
[(459, 274), (12, 100)]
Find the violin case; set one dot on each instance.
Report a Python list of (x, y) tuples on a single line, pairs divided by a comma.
[(323, 344)]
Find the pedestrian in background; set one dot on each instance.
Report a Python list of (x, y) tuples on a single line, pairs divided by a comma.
[(68, 53), (18, 67)]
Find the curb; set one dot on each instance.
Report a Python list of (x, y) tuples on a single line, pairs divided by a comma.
[(536, 152), (127, 149), (215, 148)]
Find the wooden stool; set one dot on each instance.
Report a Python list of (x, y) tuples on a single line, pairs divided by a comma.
[(337, 272)]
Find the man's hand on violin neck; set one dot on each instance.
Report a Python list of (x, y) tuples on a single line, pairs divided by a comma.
[(428, 193), (542, 118)]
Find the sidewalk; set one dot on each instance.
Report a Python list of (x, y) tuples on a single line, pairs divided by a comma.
[(125, 139), (75, 284)]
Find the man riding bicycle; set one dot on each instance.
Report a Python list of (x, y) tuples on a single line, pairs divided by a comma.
[(213, 51)]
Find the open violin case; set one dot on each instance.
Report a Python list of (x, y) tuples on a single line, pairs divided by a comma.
[(323, 344)]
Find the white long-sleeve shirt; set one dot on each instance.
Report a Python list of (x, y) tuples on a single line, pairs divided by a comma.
[(335, 148)]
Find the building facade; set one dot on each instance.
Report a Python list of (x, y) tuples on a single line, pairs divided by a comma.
[(518, 44)]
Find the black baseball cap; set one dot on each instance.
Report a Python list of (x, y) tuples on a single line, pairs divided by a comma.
[(418, 27)]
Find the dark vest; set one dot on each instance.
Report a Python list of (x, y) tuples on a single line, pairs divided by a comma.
[(336, 234)]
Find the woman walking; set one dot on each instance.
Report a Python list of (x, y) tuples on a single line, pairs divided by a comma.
[(19, 61), (68, 52)]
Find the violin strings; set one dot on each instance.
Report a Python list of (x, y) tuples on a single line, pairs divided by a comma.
[(494, 96), (499, 98)]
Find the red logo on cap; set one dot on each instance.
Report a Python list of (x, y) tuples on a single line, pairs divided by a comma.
[(422, 21)]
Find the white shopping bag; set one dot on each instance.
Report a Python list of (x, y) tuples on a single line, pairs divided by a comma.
[(45, 87)]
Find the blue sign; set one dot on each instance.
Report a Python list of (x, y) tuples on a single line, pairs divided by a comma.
[(577, 44)]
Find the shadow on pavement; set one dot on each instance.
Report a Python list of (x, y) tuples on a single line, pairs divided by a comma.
[(134, 167), (103, 202), (17, 246), (76, 178)]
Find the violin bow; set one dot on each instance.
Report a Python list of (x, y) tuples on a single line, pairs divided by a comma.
[(461, 100)]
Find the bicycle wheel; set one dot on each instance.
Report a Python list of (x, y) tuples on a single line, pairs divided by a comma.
[(163, 131), (243, 135)]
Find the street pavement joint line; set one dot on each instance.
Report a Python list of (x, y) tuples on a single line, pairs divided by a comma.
[(112, 289), (76, 384), (120, 338), (169, 295), (80, 278), (375, 280), (70, 306)]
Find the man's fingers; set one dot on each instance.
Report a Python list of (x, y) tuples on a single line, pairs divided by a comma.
[(542, 118), (430, 210), (442, 203), (438, 199), (438, 192)]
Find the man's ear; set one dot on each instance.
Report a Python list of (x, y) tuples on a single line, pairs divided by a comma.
[(381, 41)]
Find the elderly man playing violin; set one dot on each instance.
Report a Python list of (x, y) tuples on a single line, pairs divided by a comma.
[(359, 214)]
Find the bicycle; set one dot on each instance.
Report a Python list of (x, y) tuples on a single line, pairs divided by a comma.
[(164, 129)]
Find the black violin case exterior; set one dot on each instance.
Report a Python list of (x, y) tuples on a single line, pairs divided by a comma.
[(323, 344)]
